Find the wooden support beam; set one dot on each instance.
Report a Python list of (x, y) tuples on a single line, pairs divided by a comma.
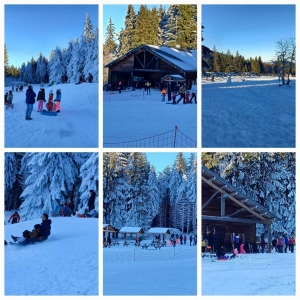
[(235, 220), (233, 199), (210, 198)]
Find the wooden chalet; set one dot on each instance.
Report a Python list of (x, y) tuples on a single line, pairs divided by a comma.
[(227, 210), (152, 63)]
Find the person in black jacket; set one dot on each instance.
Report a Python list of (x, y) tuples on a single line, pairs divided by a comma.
[(91, 203), (45, 227), (30, 99)]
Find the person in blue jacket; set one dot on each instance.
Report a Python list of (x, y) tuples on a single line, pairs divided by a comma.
[(30, 100)]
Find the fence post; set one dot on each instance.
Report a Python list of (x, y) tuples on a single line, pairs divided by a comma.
[(176, 128)]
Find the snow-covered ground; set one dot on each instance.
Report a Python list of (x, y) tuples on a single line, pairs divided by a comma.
[(134, 115), (144, 272), (65, 264), (251, 113), (255, 274), (75, 126)]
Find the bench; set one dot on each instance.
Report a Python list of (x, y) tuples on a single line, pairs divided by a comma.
[(127, 243), (155, 245)]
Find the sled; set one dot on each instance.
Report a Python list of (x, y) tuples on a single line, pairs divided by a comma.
[(81, 215), (48, 112)]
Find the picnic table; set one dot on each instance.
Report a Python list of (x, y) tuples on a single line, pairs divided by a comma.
[(127, 243), (156, 245)]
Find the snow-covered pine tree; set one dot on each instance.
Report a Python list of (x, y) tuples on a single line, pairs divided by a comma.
[(12, 183), (164, 179), (89, 172), (41, 69), (92, 56), (137, 202), (178, 189), (57, 68), (73, 72), (116, 188), (11, 170), (51, 177), (191, 194)]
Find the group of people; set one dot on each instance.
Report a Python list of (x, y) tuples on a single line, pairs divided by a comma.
[(283, 244), (66, 209), (39, 233), (51, 105), (185, 95)]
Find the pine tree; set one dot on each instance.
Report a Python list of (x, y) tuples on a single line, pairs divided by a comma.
[(89, 172), (51, 177), (110, 44), (187, 27), (5, 60), (216, 60), (57, 68), (88, 29), (126, 35)]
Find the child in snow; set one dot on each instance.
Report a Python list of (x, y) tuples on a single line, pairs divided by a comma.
[(58, 99), (50, 105), (163, 93), (41, 99), (174, 95)]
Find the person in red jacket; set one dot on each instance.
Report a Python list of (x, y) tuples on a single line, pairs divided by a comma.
[(15, 218)]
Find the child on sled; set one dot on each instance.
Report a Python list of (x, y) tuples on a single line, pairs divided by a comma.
[(50, 105)]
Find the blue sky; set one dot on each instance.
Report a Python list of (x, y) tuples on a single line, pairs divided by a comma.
[(252, 30), (162, 159), (33, 29), (117, 12)]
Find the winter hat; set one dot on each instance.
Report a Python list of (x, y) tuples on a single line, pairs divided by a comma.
[(51, 92)]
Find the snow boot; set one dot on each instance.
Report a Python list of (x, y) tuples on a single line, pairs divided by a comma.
[(14, 238)]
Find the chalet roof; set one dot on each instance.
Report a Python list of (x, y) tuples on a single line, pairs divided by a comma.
[(109, 228), (241, 201), (185, 60), (132, 230)]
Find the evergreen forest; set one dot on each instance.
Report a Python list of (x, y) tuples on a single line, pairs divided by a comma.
[(175, 27), (135, 194), (64, 64), (35, 183)]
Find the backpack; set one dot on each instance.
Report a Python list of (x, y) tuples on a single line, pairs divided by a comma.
[(236, 239)]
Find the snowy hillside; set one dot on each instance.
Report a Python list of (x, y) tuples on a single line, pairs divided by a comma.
[(65, 264), (75, 126), (251, 113)]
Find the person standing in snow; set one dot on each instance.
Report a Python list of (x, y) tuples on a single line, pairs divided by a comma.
[(194, 92), (174, 240), (58, 99), (241, 243), (182, 94), (184, 239), (30, 100), (15, 218), (91, 202), (41, 99), (286, 243), (120, 87), (191, 239)]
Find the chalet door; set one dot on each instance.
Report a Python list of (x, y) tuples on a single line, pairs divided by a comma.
[(220, 236)]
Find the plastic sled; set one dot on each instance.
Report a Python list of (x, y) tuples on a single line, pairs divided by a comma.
[(48, 112)]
